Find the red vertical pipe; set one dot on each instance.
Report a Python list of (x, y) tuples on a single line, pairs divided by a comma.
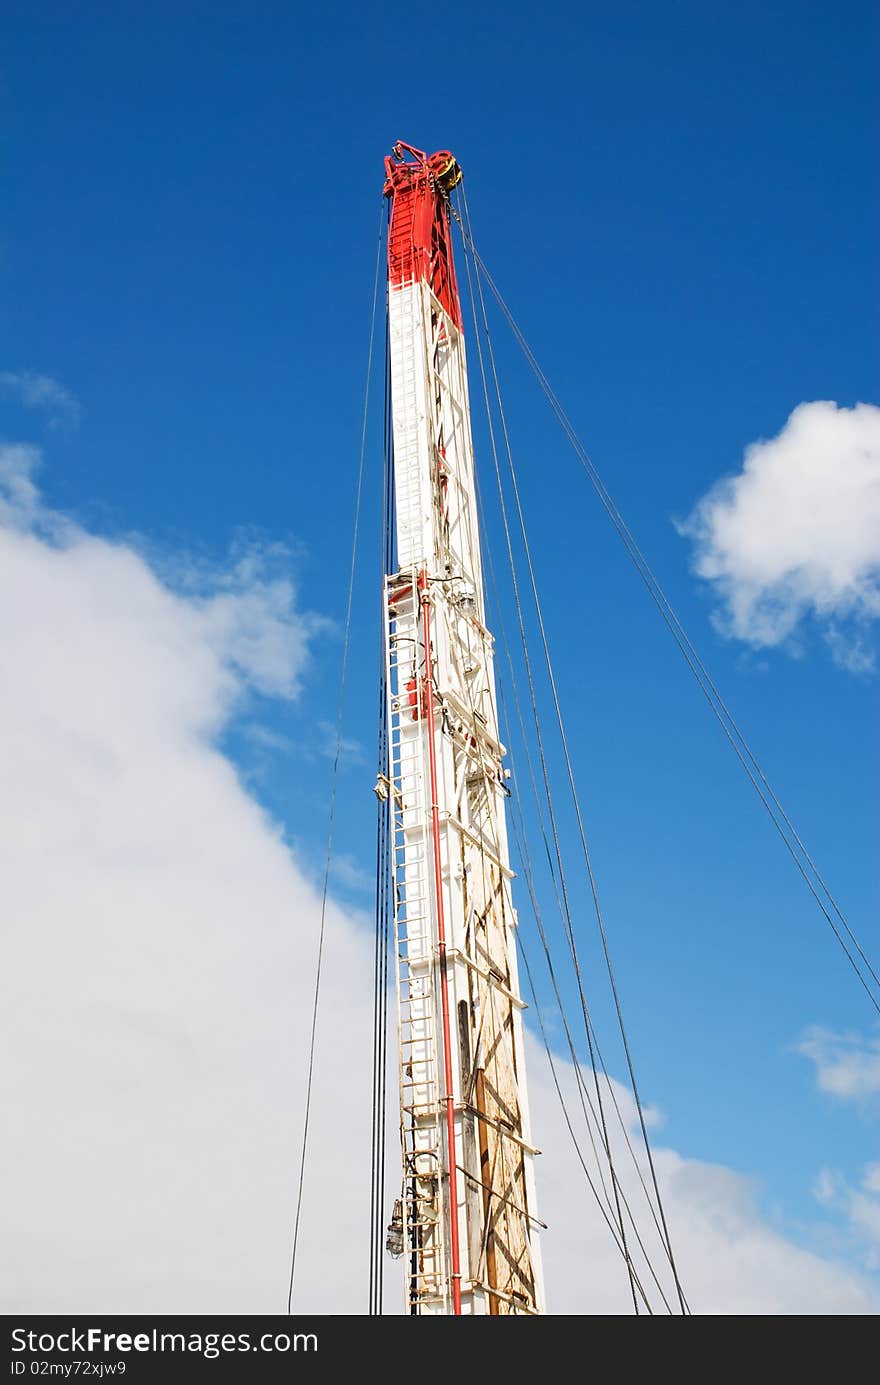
[(441, 948)]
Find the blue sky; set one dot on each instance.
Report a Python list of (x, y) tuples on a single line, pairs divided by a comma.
[(677, 202)]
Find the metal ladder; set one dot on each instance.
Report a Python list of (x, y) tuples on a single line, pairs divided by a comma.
[(415, 952)]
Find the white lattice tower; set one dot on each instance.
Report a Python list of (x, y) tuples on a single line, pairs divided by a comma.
[(468, 1184)]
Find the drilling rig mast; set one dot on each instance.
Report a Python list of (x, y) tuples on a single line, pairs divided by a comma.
[(466, 1221)]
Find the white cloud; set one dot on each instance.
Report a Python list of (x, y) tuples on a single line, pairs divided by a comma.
[(349, 875), (19, 499), (847, 1065), (41, 392), (865, 1216), (159, 951), (797, 533), (731, 1259), (871, 1180), (860, 1205), (158, 967)]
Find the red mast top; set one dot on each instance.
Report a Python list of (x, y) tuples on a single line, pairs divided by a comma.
[(419, 242)]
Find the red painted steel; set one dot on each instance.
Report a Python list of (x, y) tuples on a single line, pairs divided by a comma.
[(455, 1249), (419, 240)]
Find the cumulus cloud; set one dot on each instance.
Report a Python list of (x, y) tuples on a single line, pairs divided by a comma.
[(796, 534), (847, 1065), (160, 947), (41, 392), (158, 965)]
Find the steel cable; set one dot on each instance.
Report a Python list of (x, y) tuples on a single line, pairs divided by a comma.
[(545, 774), (730, 727), (570, 772), (334, 779), (383, 885), (521, 839)]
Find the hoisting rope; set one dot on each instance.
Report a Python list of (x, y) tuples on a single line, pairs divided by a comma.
[(522, 845), (485, 824), (384, 910), (334, 779), (568, 1121), (744, 753), (545, 774), (520, 837), (568, 761), (520, 841)]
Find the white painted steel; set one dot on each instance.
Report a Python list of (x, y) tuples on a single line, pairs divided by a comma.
[(437, 532)]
